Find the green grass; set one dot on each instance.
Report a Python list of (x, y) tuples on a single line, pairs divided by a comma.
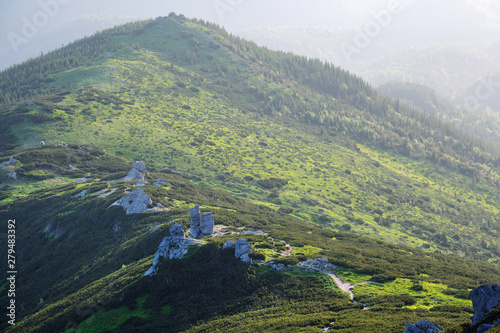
[(431, 295), (103, 320)]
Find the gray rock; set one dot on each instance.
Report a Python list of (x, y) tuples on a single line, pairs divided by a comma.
[(484, 328), (154, 228), (177, 231), (194, 213), (140, 183), (228, 245), (172, 247), (257, 232), (11, 161), (135, 202), (160, 182), (484, 299), (82, 194), (138, 171), (160, 206), (423, 326), (82, 180), (242, 247), (12, 175), (245, 258), (72, 168), (207, 223)]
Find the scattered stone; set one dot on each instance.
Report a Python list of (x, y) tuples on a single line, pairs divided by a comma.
[(79, 87), (423, 326), (12, 175), (154, 228), (72, 168), (484, 299), (140, 183), (319, 264), (160, 206), (207, 223), (30, 103), (228, 245), (242, 247), (138, 171), (257, 232), (484, 328), (160, 182), (194, 213), (82, 180), (82, 194), (135, 202), (174, 246), (109, 56)]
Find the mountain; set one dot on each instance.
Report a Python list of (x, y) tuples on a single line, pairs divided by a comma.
[(483, 123), (268, 141)]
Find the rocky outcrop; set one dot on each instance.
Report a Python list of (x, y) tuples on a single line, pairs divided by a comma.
[(174, 246), (12, 175), (82, 180), (137, 172), (141, 183), (201, 225), (160, 182), (82, 194), (484, 299), (11, 161), (423, 326), (135, 202), (242, 250), (207, 223), (194, 213)]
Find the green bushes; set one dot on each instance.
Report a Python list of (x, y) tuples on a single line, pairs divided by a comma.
[(272, 183)]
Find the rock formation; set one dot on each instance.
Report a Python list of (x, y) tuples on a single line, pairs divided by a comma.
[(12, 175), (242, 250), (201, 225), (135, 202), (11, 161), (174, 246), (207, 223), (138, 171), (423, 326), (194, 213), (484, 299), (160, 182), (82, 194)]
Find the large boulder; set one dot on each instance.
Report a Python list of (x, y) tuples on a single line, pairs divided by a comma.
[(137, 172), (207, 223), (241, 248), (135, 202), (484, 299), (194, 213)]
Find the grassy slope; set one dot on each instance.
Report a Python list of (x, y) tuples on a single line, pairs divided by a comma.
[(145, 104), (101, 283)]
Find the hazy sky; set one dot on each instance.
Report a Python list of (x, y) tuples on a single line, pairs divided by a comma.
[(29, 27)]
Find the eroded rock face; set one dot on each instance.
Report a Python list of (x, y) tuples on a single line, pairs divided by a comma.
[(138, 171), (174, 246), (484, 299), (423, 326), (194, 213), (228, 245), (135, 202)]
